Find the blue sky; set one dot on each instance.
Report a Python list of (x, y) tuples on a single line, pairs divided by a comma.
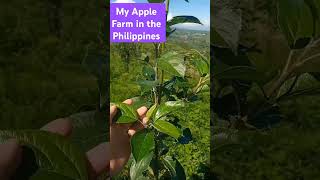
[(197, 8)]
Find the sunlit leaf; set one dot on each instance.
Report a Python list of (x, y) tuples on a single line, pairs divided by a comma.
[(172, 63), (146, 85), (167, 128), (139, 102), (175, 168), (137, 168), (142, 144), (183, 19), (152, 111), (202, 66), (126, 113), (167, 108), (148, 72)]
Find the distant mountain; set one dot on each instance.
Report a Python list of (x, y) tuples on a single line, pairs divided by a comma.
[(191, 30), (195, 28), (181, 30)]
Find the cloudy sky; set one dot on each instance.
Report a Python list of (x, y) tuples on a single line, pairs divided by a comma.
[(197, 8)]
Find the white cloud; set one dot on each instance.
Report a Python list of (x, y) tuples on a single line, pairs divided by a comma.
[(192, 26), (123, 1), (206, 22), (170, 16)]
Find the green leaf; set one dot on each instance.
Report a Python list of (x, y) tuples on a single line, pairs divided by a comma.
[(146, 85), (226, 22), (64, 158), (202, 66), (172, 63), (313, 91), (174, 167), (167, 128), (90, 128), (226, 56), (148, 72), (183, 19), (156, 1), (139, 102), (314, 5), (126, 114), (272, 58), (142, 143), (137, 168), (295, 20), (48, 175), (167, 108), (152, 111), (145, 57), (246, 73)]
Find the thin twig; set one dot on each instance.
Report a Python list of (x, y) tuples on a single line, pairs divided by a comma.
[(309, 46), (308, 59), (283, 77)]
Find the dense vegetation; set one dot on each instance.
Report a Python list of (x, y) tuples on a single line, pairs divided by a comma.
[(51, 56), (265, 102), (194, 157), (41, 76), (171, 83)]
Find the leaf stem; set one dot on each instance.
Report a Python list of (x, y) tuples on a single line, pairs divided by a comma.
[(167, 8), (309, 46), (157, 98), (308, 59), (283, 77), (158, 91), (155, 89), (156, 168)]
